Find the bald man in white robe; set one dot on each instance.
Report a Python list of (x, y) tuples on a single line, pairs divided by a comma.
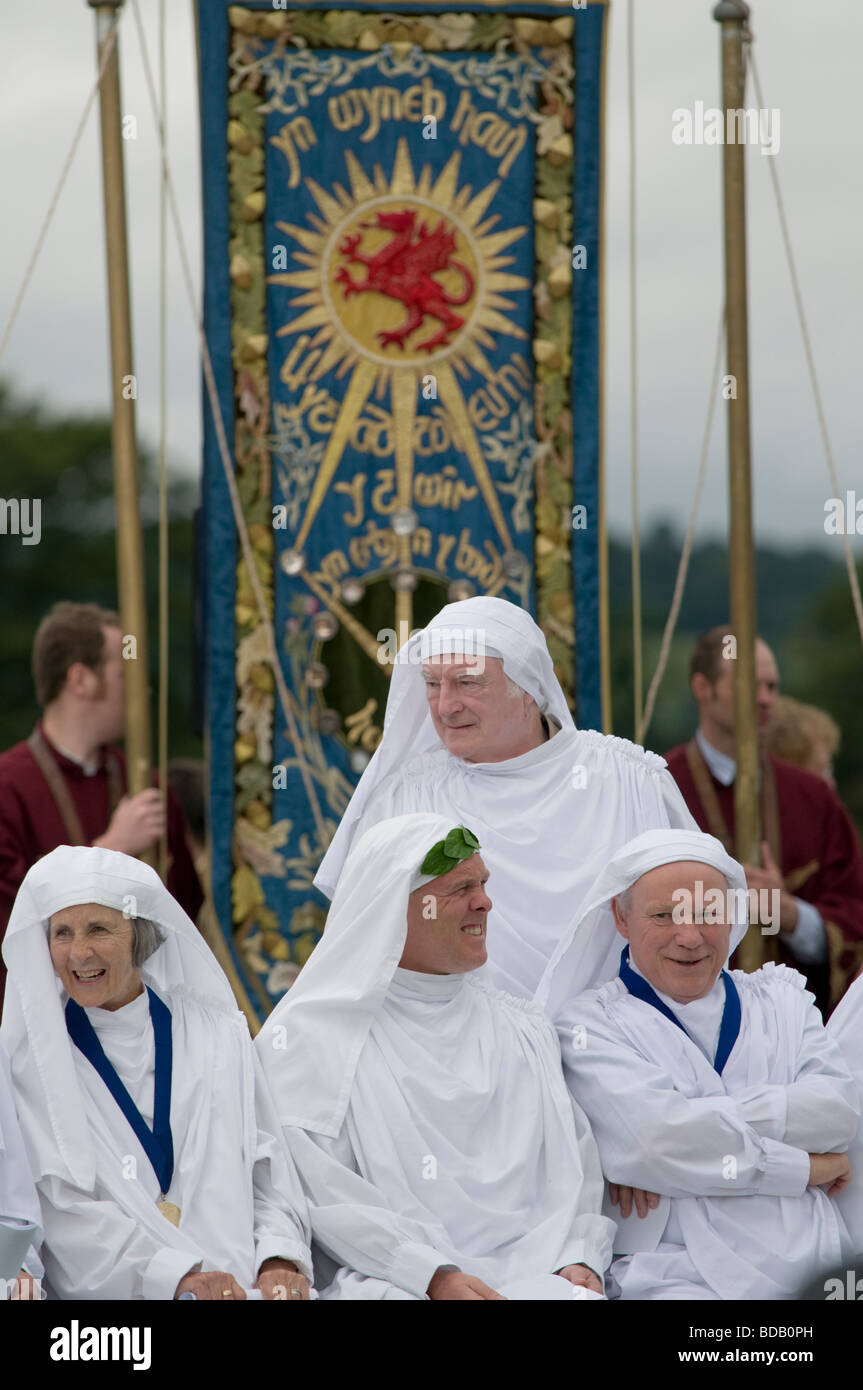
[(426, 1110), (718, 1096), (478, 729), (148, 1127)]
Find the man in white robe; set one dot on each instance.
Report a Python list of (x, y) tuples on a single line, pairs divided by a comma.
[(426, 1110), (157, 1158), (478, 729), (19, 1205), (718, 1096)]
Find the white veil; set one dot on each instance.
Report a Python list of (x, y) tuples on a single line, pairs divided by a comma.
[(344, 981), (33, 1016), (475, 626), (567, 974)]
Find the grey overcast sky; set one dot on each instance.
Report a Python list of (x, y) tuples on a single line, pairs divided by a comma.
[(808, 56)]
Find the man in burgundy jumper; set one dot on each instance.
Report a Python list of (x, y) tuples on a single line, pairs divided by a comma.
[(66, 783), (811, 852)]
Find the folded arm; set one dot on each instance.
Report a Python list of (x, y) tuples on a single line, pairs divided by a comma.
[(818, 1111), (651, 1136)]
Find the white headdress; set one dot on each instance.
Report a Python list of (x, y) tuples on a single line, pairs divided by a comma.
[(475, 627), (343, 983), (33, 1008), (565, 976)]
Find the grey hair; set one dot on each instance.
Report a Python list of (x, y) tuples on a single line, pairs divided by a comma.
[(512, 689), (624, 901), (146, 938)]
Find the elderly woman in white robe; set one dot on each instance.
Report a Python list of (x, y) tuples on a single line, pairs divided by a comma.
[(426, 1110), (148, 1127), (478, 729), (718, 1096)]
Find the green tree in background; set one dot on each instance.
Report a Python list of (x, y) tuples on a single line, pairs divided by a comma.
[(65, 462)]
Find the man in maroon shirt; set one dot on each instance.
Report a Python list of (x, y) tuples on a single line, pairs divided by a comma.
[(66, 783), (811, 852)]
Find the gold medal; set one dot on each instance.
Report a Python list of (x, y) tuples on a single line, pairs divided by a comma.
[(169, 1211)]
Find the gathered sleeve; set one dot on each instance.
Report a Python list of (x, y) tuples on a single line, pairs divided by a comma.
[(651, 1136), (676, 812)]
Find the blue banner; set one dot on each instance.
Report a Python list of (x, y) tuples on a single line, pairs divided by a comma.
[(402, 209)]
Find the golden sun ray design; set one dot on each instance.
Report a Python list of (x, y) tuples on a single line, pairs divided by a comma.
[(387, 328)]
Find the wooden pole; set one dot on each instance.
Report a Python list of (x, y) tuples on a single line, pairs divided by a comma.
[(129, 538), (637, 639), (164, 556), (732, 15)]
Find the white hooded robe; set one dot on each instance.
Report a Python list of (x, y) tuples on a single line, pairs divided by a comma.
[(547, 820), (728, 1154), (427, 1114), (235, 1185)]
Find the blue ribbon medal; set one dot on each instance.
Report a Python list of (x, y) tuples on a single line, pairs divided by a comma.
[(157, 1143)]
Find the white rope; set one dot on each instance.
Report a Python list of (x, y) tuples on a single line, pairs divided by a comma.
[(110, 44), (810, 361), (683, 567), (689, 538), (224, 451)]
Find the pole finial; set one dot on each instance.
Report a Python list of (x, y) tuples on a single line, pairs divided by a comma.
[(728, 9)]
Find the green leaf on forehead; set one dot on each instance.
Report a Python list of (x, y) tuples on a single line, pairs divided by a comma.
[(459, 844), (436, 862)]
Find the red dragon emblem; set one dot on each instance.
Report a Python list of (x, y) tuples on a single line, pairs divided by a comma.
[(404, 269)]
